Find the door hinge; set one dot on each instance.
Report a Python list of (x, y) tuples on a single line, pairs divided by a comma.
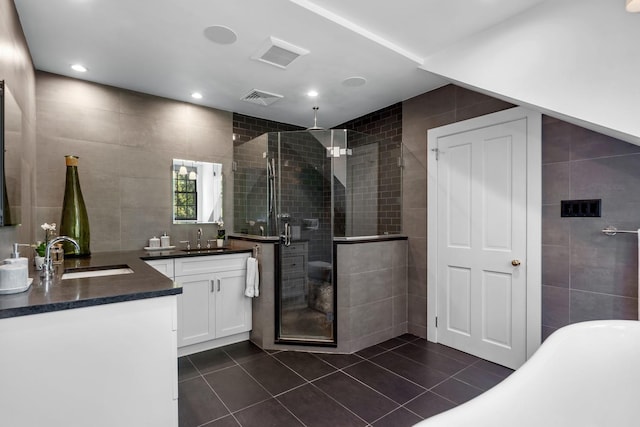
[(437, 151)]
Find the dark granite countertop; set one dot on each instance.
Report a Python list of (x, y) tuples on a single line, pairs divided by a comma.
[(180, 253), (57, 294)]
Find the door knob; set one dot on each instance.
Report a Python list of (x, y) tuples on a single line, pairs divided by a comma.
[(515, 262)]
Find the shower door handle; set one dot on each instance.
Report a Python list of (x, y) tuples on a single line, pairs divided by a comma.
[(286, 237)]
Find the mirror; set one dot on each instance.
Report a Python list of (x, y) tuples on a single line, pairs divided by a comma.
[(197, 192), (10, 142)]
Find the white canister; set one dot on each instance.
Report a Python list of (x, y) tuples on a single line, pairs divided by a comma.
[(165, 241), (154, 242)]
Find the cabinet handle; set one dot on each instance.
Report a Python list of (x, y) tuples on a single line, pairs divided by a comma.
[(218, 285), (211, 285)]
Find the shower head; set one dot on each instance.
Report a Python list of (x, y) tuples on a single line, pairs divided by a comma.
[(315, 120)]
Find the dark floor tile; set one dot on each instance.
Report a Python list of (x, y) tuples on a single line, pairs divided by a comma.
[(458, 355), (413, 371), (478, 377), (197, 403), (408, 337), (372, 351), (211, 360), (314, 408), (392, 343), (236, 389), (266, 414), (339, 360), (244, 351), (391, 385), (305, 364), (398, 418), (456, 391), (357, 397), (227, 421), (429, 358), (494, 368), (186, 370), (429, 404), (272, 374)]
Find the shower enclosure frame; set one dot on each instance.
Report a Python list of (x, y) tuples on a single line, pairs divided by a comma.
[(310, 195)]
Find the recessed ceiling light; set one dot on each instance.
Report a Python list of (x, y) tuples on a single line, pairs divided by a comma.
[(633, 6), (220, 34), (354, 81), (79, 68), (312, 93), (196, 95)]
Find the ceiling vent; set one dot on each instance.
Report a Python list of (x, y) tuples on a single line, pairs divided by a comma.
[(261, 97), (278, 52)]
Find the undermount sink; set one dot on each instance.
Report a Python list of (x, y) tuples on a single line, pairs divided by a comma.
[(107, 270), (203, 250)]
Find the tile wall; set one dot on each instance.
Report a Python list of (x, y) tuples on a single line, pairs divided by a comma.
[(16, 69), (372, 293), (386, 126), (587, 275), (126, 141)]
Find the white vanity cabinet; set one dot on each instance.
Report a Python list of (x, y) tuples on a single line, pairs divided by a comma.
[(212, 309), (212, 304)]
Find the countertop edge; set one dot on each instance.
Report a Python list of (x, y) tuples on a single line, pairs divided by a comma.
[(68, 305)]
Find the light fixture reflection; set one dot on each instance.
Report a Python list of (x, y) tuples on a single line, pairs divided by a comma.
[(633, 6), (183, 170), (192, 176)]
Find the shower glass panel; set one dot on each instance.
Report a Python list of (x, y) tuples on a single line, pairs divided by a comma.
[(306, 188)]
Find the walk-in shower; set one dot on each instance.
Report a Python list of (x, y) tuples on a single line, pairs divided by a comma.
[(307, 189)]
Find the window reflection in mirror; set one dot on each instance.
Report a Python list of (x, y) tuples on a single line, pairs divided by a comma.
[(197, 192)]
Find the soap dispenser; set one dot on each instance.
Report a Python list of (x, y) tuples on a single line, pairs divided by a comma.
[(15, 255)]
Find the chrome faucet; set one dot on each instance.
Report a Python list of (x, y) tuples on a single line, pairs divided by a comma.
[(47, 267), (199, 238)]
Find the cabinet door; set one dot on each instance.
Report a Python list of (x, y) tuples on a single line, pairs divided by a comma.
[(233, 309), (196, 320)]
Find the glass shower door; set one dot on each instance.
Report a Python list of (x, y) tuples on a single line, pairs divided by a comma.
[(306, 302)]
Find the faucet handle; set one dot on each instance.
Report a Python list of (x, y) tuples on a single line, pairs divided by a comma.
[(188, 244)]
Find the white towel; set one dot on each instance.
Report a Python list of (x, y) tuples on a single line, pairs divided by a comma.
[(252, 288)]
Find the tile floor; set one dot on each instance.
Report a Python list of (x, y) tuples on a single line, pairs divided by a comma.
[(396, 383)]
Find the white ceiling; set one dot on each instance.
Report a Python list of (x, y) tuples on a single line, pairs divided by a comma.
[(158, 47)]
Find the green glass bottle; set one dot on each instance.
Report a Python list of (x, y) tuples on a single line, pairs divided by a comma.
[(74, 222)]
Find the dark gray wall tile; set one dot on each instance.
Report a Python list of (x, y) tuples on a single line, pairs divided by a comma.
[(556, 265), (555, 182), (555, 306), (556, 135), (605, 270), (609, 178), (556, 230), (587, 144), (591, 306)]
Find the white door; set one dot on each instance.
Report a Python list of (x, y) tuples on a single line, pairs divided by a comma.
[(481, 242)]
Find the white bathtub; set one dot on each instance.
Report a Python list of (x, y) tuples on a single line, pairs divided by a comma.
[(585, 374)]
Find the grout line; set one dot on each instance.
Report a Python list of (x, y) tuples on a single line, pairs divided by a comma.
[(363, 359), (339, 403)]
